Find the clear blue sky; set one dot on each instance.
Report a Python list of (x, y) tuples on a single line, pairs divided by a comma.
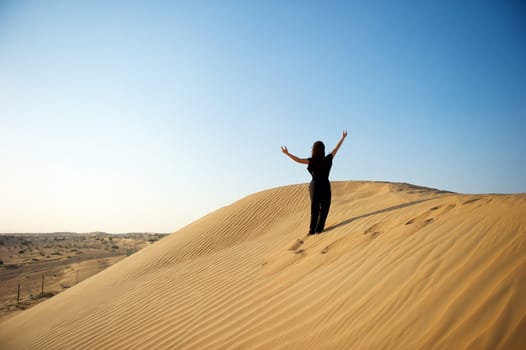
[(143, 116)]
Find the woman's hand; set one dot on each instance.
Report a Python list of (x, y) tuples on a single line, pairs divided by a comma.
[(344, 134), (284, 150)]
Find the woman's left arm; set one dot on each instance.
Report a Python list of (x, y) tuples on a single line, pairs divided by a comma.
[(293, 157)]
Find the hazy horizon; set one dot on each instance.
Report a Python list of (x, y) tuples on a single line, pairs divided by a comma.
[(144, 116)]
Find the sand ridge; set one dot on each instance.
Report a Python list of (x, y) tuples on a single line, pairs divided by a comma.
[(400, 266)]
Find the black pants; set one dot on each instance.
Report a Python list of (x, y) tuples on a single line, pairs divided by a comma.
[(320, 202)]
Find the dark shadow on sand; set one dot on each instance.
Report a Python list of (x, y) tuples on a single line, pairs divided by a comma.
[(399, 206)]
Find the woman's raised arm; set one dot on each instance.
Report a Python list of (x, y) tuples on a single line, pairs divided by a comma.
[(335, 150), (293, 157)]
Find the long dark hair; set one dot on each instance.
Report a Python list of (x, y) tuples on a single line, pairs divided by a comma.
[(318, 150)]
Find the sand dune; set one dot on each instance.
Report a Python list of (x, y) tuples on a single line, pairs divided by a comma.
[(399, 267)]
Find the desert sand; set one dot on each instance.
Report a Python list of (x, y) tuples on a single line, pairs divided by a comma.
[(399, 267), (61, 259)]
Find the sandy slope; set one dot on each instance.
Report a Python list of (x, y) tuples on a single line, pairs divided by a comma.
[(399, 267)]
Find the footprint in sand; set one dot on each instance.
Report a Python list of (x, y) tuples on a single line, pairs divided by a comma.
[(473, 200), (424, 219), (296, 244), (419, 219), (428, 217), (375, 228)]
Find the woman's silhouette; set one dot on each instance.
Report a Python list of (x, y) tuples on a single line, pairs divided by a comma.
[(319, 166)]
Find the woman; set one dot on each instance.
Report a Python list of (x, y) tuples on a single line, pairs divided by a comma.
[(319, 166)]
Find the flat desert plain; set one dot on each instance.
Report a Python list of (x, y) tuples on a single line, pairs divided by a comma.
[(37, 266), (398, 267)]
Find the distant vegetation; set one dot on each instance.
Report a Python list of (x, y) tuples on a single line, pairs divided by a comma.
[(61, 259)]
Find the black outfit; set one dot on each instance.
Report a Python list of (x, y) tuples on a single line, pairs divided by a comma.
[(320, 192)]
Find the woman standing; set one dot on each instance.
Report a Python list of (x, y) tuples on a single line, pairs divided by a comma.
[(319, 166)]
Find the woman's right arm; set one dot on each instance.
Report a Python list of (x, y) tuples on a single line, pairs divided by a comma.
[(293, 157), (344, 135)]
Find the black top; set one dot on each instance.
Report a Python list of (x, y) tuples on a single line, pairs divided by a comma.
[(320, 168)]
